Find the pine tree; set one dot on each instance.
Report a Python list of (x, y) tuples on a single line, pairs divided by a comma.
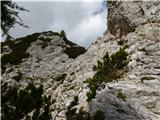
[(9, 17)]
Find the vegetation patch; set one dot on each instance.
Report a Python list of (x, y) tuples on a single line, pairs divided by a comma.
[(121, 42), (18, 103), (45, 39), (73, 103), (99, 115), (122, 96), (18, 76), (63, 35), (146, 78), (74, 52), (19, 47), (44, 45), (125, 46), (107, 71), (145, 51), (71, 112), (83, 115), (61, 77)]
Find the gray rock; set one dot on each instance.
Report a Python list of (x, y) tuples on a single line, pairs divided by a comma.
[(137, 23)]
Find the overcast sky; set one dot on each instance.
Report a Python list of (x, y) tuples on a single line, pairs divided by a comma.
[(83, 21)]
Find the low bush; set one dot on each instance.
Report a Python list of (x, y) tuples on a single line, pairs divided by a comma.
[(19, 47), (122, 96), (60, 77), (73, 103), (121, 42), (63, 35), (18, 103), (44, 45), (18, 76), (99, 115), (83, 115), (74, 52), (107, 71)]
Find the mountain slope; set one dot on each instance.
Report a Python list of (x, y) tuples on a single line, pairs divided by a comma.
[(133, 95)]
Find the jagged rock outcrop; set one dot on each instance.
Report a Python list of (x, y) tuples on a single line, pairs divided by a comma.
[(125, 17), (137, 24), (135, 96)]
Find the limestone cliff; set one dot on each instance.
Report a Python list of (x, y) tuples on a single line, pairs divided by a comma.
[(134, 26)]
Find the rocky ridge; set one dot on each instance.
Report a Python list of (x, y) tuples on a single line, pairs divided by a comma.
[(137, 29)]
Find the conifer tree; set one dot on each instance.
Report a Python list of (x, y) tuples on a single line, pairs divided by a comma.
[(10, 17)]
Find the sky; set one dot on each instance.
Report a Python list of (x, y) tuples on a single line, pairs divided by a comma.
[(83, 21)]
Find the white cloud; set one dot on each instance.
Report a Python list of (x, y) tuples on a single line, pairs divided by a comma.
[(60, 0), (87, 30), (75, 17)]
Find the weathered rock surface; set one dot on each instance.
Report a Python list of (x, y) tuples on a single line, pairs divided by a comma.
[(141, 85), (137, 24)]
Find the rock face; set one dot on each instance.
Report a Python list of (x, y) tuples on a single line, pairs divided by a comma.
[(138, 24), (125, 17), (134, 96)]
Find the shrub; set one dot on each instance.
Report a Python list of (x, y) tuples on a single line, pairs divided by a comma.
[(91, 94), (120, 42), (106, 71), (71, 112), (61, 77), (17, 103), (45, 39), (99, 115), (121, 96), (147, 78), (18, 77), (63, 35), (81, 115), (18, 49), (74, 52), (73, 103), (57, 33), (44, 45), (125, 46)]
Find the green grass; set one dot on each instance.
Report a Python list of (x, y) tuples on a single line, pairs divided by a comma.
[(107, 71)]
